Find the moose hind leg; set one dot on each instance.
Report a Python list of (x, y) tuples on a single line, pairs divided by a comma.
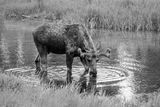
[(43, 55), (69, 61), (37, 63)]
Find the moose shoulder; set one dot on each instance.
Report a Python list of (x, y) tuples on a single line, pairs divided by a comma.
[(72, 40)]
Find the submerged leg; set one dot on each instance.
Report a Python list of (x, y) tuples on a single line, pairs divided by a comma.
[(43, 73), (38, 66), (69, 61), (43, 55)]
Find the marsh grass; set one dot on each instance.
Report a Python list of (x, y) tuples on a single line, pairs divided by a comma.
[(128, 15), (9, 83), (15, 93), (16, 10)]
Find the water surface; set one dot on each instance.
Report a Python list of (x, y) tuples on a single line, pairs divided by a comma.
[(135, 53)]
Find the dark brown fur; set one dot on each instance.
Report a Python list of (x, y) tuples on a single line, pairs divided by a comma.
[(72, 40)]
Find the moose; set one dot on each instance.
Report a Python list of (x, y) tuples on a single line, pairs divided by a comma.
[(72, 40)]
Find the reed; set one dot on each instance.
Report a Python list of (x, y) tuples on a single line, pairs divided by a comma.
[(128, 15), (17, 10)]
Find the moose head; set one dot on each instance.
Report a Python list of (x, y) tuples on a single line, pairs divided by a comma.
[(90, 58)]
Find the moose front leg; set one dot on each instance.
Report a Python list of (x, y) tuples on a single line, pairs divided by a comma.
[(82, 58), (37, 62), (69, 61), (85, 67)]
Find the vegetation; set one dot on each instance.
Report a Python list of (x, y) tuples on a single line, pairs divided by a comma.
[(130, 15), (16, 93)]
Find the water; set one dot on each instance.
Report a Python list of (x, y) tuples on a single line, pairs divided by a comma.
[(136, 54)]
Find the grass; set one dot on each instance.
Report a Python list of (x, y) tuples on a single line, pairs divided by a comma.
[(17, 10), (118, 15), (128, 15), (15, 93)]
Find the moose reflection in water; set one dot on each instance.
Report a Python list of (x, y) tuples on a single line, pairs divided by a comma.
[(87, 85), (72, 40)]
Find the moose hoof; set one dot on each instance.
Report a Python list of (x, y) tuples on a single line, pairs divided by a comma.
[(37, 72), (45, 81), (43, 74), (69, 80)]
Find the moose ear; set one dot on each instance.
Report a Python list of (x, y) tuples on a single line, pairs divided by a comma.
[(80, 52)]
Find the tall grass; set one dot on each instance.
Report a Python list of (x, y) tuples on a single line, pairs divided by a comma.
[(16, 10), (15, 93), (130, 15)]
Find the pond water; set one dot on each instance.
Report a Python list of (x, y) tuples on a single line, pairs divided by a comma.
[(135, 53)]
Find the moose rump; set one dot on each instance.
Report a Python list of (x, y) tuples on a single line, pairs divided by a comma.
[(53, 42)]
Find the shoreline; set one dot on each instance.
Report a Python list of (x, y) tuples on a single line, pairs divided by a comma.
[(116, 15)]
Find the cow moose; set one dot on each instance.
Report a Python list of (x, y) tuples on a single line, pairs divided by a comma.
[(72, 40)]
